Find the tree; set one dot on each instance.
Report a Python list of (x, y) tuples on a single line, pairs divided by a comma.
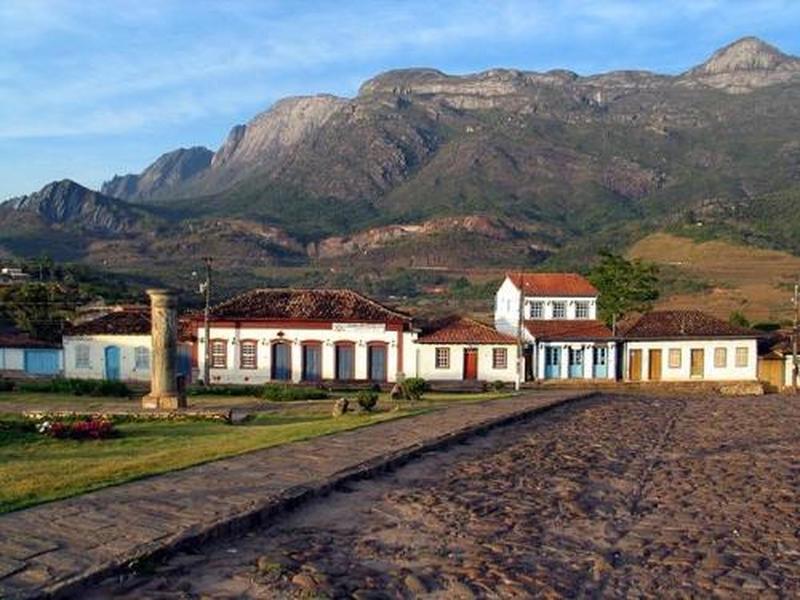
[(40, 309), (625, 286), (737, 318)]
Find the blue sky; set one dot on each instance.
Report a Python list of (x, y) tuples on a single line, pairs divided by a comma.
[(89, 88)]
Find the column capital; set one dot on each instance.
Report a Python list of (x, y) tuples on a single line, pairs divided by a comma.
[(162, 297)]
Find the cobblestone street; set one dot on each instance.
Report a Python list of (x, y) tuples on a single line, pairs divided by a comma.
[(613, 496)]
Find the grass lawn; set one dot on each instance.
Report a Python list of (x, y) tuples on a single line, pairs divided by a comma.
[(35, 468)]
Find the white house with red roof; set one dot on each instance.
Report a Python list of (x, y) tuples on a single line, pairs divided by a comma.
[(555, 314), (462, 349), (688, 345), (306, 336), (117, 346)]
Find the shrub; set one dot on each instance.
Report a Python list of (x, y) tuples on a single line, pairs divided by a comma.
[(76, 387), (414, 388), (498, 386), (367, 399), (224, 390), (92, 428), (6, 385), (286, 393)]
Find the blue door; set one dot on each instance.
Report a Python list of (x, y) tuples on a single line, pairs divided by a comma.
[(112, 362), (600, 362), (376, 358), (552, 363), (41, 362), (281, 362), (575, 363)]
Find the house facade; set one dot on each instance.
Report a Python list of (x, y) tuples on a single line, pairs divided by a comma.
[(116, 346), (555, 314), (688, 345), (23, 356), (462, 349), (306, 335)]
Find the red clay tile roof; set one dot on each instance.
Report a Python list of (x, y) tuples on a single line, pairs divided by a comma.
[(677, 324), (461, 330), (553, 284), (568, 330), (126, 322), (23, 340), (311, 305)]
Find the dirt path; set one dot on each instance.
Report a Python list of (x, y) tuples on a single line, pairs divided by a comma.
[(614, 497)]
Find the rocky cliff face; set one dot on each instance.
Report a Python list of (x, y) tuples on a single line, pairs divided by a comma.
[(549, 161), (167, 173), (68, 203)]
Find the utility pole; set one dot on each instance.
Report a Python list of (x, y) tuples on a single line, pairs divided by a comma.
[(205, 288), (520, 357), (794, 338)]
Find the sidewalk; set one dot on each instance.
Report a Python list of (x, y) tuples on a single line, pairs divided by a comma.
[(58, 547)]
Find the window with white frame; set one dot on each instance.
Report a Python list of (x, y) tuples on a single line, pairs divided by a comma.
[(248, 354), (219, 354), (581, 310), (141, 358), (499, 358), (442, 358), (742, 356), (720, 358), (559, 310), (82, 357), (674, 358), (537, 310)]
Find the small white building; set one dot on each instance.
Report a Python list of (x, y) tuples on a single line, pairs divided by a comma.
[(558, 322), (23, 356), (462, 349), (116, 346), (306, 335), (688, 345)]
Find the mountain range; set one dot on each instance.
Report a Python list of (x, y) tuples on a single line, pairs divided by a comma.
[(422, 169)]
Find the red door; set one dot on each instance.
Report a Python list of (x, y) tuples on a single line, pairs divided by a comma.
[(471, 363)]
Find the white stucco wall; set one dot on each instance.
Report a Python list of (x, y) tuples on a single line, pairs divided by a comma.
[(426, 361), (788, 371), (361, 334), (12, 359), (711, 373), (506, 308), (97, 359)]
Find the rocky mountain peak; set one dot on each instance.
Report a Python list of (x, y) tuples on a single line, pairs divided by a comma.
[(68, 203), (746, 54), (744, 65), (169, 170)]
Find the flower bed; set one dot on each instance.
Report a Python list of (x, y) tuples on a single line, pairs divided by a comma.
[(91, 428)]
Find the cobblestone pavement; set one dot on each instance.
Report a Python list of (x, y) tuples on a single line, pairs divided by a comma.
[(609, 497), (53, 547)]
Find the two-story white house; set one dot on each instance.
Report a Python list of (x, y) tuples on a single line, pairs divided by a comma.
[(561, 334)]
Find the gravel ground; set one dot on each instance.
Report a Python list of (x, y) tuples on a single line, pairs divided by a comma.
[(613, 497)]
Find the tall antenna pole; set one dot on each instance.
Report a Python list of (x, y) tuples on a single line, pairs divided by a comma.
[(206, 324), (794, 338), (520, 357)]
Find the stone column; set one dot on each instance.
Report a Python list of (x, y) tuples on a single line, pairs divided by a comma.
[(164, 392)]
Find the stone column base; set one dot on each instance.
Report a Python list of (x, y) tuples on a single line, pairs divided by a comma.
[(164, 402)]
